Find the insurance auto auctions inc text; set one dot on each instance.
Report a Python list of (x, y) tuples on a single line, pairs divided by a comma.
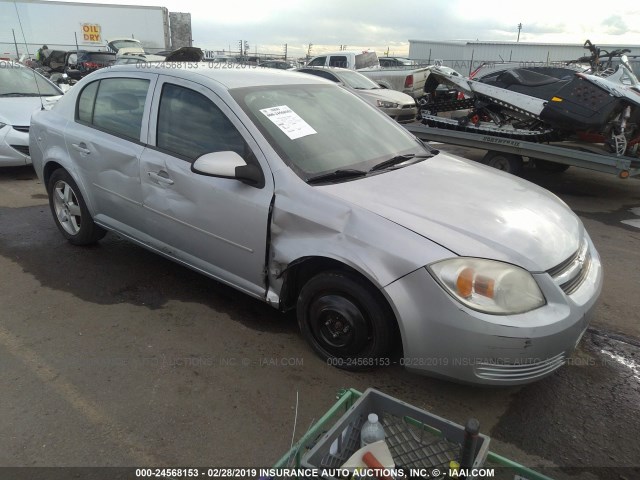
[(376, 473)]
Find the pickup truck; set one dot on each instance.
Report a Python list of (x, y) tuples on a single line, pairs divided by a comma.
[(405, 79)]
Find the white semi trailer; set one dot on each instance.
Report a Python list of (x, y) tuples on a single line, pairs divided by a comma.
[(26, 25)]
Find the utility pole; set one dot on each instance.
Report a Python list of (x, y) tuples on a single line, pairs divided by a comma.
[(519, 28), (285, 51), (309, 50)]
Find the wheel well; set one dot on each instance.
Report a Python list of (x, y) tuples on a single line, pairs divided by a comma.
[(49, 168), (300, 271)]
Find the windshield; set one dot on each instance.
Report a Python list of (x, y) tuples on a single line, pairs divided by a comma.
[(357, 80), (323, 128), (21, 81), (118, 44)]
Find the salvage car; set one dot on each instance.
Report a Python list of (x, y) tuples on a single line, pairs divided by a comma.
[(80, 63), (22, 91), (399, 106), (298, 193)]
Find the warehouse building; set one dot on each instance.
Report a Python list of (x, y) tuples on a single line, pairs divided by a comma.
[(464, 56)]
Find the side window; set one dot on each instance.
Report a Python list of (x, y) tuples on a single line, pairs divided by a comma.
[(317, 62), (86, 101), (323, 74), (114, 105), (119, 106), (190, 125), (338, 61)]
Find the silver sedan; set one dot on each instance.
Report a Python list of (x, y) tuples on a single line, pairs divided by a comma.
[(297, 192)]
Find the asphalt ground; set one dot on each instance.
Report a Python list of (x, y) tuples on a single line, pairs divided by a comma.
[(113, 356)]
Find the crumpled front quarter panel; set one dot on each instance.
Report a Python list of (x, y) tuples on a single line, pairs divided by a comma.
[(307, 222)]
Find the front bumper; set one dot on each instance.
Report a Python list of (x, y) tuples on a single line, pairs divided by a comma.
[(403, 113), (14, 146), (442, 337)]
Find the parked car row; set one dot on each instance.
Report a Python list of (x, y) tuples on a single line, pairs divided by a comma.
[(22, 91), (299, 193), (399, 106)]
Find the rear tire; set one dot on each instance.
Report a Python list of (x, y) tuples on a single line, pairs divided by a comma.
[(507, 162), (346, 321), (70, 211)]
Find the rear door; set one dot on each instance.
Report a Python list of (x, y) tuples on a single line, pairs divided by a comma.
[(216, 225), (106, 141)]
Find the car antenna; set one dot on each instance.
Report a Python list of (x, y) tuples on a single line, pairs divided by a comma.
[(26, 46)]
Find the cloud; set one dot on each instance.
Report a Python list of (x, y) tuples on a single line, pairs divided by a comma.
[(615, 25)]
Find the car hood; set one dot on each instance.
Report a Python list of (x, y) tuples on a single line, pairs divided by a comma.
[(471, 210), (386, 95), (17, 110)]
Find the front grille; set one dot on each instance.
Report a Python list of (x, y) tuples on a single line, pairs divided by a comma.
[(572, 285), (520, 371), (23, 149), (572, 272), (22, 129)]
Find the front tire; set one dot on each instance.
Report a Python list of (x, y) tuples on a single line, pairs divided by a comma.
[(345, 320), (70, 211)]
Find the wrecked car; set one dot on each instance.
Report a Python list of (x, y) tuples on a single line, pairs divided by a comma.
[(301, 194)]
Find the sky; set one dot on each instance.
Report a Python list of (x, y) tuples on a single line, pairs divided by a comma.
[(389, 25)]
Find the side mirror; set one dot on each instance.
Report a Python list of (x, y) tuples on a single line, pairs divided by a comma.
[(228, 165)]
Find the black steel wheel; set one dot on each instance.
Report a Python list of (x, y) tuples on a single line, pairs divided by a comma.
[(345, 320)]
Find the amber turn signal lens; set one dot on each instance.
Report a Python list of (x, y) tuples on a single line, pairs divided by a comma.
[(464, 284)]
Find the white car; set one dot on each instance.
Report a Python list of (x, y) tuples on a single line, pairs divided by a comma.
[(22, 91), (399, 106)]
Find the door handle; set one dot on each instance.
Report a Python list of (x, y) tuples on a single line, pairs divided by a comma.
[(81, 147), (160, 177)]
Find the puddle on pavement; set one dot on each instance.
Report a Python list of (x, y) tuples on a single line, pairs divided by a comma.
[(585, 416), (117, 271), (623, 217)]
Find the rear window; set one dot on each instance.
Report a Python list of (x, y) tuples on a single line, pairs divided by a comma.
[(367, 59), (98, 57)]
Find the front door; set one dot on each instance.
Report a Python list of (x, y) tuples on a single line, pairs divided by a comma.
[(216, 225)]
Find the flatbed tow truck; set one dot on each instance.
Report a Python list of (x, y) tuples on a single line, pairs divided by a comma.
[(508, 153)]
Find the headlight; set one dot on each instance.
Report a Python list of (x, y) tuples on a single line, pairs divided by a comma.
[(488, 286), (383, 104)]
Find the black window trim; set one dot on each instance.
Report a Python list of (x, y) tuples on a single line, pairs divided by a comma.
[(93, 108)]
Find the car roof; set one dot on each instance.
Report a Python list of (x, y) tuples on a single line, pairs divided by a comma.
[(328, 69), (238, 76)]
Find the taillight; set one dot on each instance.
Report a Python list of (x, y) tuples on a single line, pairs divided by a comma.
[(408, 82), (91, 65), (460, 96)]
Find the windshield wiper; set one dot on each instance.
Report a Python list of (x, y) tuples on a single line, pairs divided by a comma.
[(340, 174), (398, 159)]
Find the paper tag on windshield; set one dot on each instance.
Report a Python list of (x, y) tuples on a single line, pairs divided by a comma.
[(288, 121)]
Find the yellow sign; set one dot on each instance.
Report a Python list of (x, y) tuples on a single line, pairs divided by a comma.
[(91, 33)]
